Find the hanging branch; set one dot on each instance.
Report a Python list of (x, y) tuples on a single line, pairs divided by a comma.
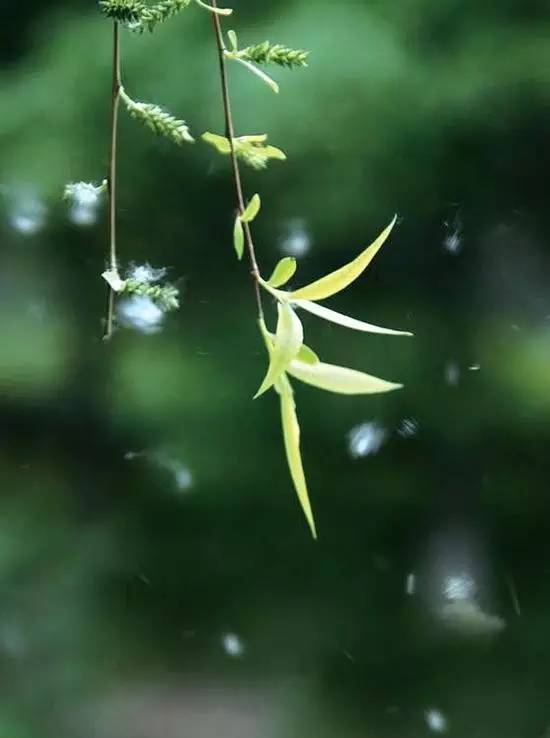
[(135, 15), (112, 179), (230, 136), (288, 355)]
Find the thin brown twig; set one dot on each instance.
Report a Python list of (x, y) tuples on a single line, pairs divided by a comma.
[(230, 135), (112, 179)]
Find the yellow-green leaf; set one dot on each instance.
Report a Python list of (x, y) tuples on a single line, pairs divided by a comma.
[(252, 138), (252, 209), (339, 379), (357, 325), (238, 238), (288, 339), (341, 278), (272, 152), (307, 355), (284, 271), (219, 142), (291, 434)]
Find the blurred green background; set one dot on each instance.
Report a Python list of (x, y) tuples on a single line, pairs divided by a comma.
[(156, 574)]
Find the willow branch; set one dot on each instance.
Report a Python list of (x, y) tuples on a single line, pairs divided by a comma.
[(230, 135), (112, 179)]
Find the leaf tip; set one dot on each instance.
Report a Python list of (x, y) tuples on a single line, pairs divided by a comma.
[(395, 386), (262, 390)]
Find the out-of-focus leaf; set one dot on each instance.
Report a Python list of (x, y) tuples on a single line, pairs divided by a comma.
[(253, 138), (238, 238), (339, 379), (112, 277), (291, 434), (253, 151), (288, 339), (218, 11), (345, 320), (252, 209), (284, 271), (233, 40), (341, 278)]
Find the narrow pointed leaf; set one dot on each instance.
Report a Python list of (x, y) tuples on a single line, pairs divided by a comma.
[(288, 339), (291, 434), (339, 379), (252, 209), (357, 325), (238, 238), (269, 81), (341, 278), (284, 271), (268, 337)]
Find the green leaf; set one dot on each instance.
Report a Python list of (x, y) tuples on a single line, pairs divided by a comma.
[(345, 320), (284, 271), (219, 142), (269, 81), (288, 339), (218, 11), (252, 209), (339, 379), (291, 435), (232, 36), (307, 355), (341, 278), (238, 238)]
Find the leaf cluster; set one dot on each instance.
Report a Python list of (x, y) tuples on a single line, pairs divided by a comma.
[(290, 357), (252, 150)]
